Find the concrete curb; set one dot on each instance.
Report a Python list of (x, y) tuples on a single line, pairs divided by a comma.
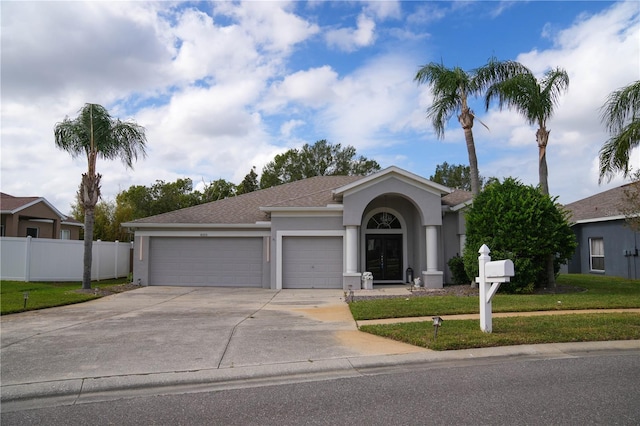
[(93, 389)]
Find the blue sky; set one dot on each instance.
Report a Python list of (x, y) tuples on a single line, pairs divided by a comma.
[(224, 86)]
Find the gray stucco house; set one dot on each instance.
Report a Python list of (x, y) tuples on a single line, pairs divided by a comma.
[(322, 232), (606, 244)]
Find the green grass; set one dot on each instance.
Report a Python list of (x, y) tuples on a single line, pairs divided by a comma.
[(466, 334), (45, 294), (601, 293)]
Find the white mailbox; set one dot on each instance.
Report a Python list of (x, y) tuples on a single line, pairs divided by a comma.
[(499, 270), (492, 274)]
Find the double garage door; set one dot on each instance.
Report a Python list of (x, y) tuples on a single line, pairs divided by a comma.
[(308, 262), (215, 262)]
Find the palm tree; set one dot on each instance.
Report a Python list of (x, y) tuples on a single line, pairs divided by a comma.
[(95, 134), (451, 88), (620, 117), (535, 100)]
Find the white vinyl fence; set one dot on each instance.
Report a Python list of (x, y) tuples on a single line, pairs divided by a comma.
[(44, 259)]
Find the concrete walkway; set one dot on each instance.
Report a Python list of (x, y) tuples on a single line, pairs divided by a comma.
[(183, 339)]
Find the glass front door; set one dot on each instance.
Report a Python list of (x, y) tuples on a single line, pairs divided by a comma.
[(384, 257)]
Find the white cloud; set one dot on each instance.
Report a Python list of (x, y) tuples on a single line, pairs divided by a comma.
[(287, 127), (311, 88), (351, 39), (272, 25)]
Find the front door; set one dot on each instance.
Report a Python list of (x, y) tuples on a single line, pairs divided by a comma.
[(384, 257)]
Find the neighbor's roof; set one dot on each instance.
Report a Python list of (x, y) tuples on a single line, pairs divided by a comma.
[(12, 205), (607, 205), (245, 208)]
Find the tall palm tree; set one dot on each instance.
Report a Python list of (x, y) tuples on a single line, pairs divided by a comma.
[(620, 115), (535, 100), (95, 133), (451, 88)]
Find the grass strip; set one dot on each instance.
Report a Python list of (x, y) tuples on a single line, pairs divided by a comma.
[(46, 294), (466, 334), (599, 292)]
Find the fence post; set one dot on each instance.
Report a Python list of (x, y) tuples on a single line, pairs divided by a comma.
[(98, 259), (116, 246), (27, 259)]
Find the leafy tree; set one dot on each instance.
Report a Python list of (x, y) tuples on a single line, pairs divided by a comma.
[(218, 190), (535, 100), (453, 176), (631, 202), (621, 117), (451, 88), (169, 196), (105, 228), (161, 197), (520, 223), (95, 133), (319, 159), (249, 183)]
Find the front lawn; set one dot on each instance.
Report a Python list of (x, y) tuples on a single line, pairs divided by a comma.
[(466, 334), (601, 292), (47, 294)]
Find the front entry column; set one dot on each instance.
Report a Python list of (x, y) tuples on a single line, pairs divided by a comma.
[(352, 248), (432, 278), (351, 276)]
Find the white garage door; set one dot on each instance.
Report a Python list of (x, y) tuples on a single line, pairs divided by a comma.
[(217, 262), (312, 262)]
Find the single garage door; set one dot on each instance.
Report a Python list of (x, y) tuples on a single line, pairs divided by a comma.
[(216, 262), (312, 262)]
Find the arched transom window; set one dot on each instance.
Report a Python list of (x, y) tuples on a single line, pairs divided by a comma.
[(384, 220)]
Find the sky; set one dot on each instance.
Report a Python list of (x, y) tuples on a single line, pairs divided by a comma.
[(221, 87)]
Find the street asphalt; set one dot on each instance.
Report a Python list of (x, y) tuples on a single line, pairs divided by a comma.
[(156, 340)]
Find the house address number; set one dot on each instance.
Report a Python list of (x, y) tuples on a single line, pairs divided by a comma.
[(204, 234)]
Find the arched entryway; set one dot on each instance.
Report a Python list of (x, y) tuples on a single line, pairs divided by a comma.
[(385, 245)]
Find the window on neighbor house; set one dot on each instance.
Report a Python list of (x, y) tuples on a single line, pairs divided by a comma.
[(65, 234), (596, 253), (1, 230), (32, 232)]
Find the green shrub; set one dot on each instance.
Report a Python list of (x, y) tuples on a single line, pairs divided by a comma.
[(459, 275), (517, 222)]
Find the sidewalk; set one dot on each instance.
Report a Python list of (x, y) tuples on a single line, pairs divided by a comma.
[(159, 340)]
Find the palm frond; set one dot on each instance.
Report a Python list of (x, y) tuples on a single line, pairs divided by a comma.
[(614, 154), (622, 106), (495, 71)]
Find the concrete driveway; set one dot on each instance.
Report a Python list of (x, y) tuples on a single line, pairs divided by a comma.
[(182, 329)]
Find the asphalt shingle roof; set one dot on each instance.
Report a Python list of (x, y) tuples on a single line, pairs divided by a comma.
[(457, 197), (605, 204), (11, 203), (245, 208)]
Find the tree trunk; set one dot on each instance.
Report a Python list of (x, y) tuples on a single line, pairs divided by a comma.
[(89, 195), (88, 248), (466, 120), (542, 137)]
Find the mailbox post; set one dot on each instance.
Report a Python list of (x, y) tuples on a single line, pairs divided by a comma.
[(492, 274)]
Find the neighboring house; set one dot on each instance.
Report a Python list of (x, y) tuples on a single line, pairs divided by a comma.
[(321, 232), (606, 244), (35, 217)]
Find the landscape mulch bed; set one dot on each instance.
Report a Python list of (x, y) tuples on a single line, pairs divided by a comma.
[(107, 291)]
